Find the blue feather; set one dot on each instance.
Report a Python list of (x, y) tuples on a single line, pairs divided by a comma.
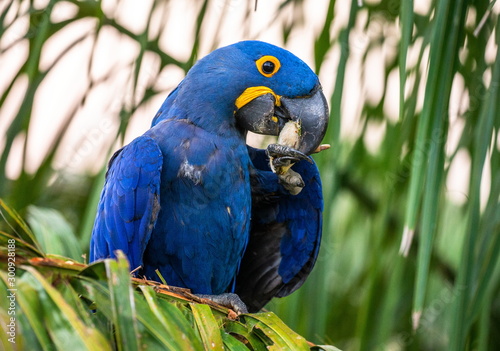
[(285, 236)]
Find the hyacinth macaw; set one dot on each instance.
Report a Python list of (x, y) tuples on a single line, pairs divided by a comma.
[(191, 199)]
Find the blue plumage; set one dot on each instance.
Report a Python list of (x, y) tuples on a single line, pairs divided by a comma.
[(199, 220), (129, 202), (285, 235), (186, 196)]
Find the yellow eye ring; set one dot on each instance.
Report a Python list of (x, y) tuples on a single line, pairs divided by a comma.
[(268, 65)]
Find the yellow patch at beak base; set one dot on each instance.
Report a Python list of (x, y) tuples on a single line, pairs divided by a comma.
[(254, 92)]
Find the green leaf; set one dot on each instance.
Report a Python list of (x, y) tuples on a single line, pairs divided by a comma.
[(242, 331), (466, 279), (268, 324), (65, 328), (166, 322), (122, 303), (23, 249), (433, 131), (54, 233), (406, 23), (231, 343), (28, 305), (24, 233), (207, 326)]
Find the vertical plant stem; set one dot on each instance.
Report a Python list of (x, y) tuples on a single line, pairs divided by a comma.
[(466, 279)]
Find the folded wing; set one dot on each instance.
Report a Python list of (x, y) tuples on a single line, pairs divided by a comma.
[(285, 234), (129, 203)]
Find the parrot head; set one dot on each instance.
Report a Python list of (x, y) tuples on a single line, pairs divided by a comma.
[(282, 88), (259, 86)]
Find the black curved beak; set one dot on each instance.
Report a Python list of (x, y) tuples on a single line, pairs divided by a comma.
[(266, 115)]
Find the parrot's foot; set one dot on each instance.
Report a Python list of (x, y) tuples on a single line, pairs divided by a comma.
[(292, 181), (231, 301), (282, 158)]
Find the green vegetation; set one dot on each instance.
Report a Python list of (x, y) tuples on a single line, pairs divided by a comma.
[(63, 304), (409, 261)]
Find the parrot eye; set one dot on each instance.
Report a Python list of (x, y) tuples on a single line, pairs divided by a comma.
[(268, 65)]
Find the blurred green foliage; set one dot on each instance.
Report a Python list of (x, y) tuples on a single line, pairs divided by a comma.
[(363, 294)]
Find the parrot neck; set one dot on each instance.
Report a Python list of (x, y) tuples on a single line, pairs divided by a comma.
[(206, 106)]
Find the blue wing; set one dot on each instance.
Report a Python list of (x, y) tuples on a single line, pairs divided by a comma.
[(129, 203), (285, 234)]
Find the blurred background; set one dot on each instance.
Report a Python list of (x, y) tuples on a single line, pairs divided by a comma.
[(411, 239)]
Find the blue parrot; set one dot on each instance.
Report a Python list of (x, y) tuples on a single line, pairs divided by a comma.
[(189, 198)]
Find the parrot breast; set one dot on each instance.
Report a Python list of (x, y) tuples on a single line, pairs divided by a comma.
[(205, 208)]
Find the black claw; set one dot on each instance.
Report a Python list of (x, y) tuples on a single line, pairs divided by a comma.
[(286, 153), (229, 300), (283, 161)]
